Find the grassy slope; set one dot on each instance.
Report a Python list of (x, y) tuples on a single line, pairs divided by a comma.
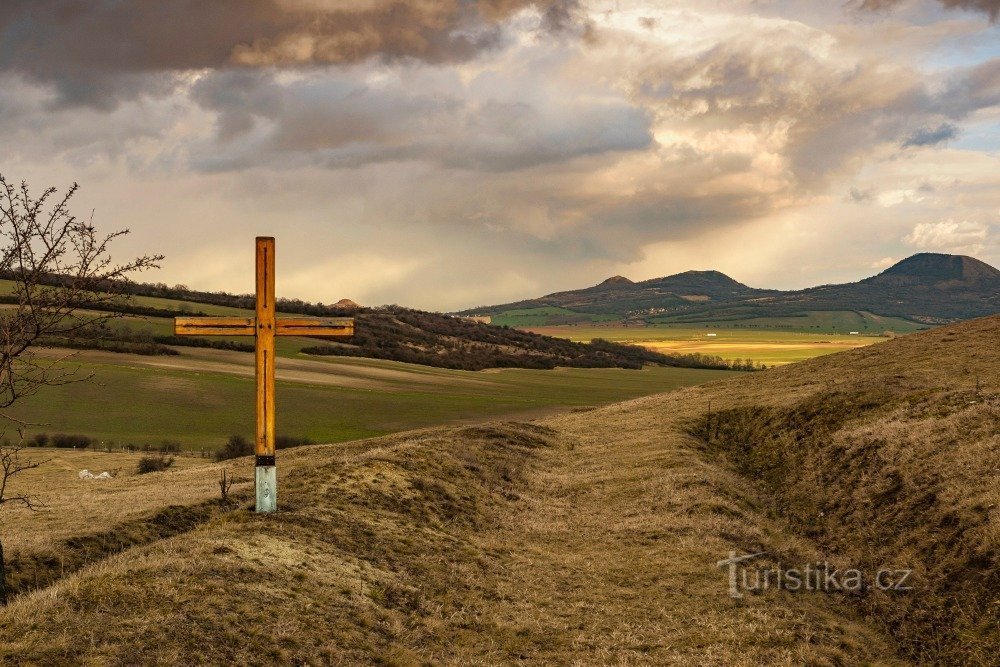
[(7, 287), (202, 396), (765, 340), (822, 321), (816, 321), (588, 537), (479, 545)]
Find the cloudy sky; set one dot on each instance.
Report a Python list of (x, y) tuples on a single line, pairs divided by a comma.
[(450, 153)]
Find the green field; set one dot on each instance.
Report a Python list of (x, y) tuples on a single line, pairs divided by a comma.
[(7, 287), (834, 321), (816, 321), (766, 340), (202, 396)]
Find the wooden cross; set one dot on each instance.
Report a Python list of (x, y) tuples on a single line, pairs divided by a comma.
[(264, 327)]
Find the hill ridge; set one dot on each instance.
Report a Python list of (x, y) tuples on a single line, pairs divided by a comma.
[(931, 267), (926, 288)]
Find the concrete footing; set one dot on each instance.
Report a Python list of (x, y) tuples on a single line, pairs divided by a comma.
[(267, 489)]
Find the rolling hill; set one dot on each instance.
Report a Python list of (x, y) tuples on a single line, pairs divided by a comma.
[(927, 288), (592, 536), (393, 333)]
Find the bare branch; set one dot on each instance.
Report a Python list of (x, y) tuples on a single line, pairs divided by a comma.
[(11, 464), (65, 285)]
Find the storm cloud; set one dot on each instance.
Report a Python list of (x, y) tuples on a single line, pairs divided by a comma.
[(91, 50), (931, 137), (499, 123), (460, 152), (990, 7)]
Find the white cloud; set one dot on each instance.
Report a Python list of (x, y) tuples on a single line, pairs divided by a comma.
[(894, 197), (883, 263), (949, 235)]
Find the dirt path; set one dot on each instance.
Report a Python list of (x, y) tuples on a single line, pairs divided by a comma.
[(612, 558)]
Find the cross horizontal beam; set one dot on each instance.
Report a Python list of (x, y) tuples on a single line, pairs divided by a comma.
[(215, 326), (315, 326), (334, 327)]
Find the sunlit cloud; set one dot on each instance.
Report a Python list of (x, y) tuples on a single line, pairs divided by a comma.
[(949, 235), (465, 152)]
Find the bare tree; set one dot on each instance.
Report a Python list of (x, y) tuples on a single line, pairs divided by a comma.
[(11, 464), (64, 283)]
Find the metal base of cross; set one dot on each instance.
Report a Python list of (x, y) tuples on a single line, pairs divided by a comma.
[(267, 489)]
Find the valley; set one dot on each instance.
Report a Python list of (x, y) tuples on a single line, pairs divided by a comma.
[(770, 347), (592, 533), (199, 397)]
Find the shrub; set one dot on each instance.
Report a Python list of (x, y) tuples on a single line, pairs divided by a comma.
[(289, 441), (235, 447), (40, 440), (70, 441), (154, 463), (169, 447)]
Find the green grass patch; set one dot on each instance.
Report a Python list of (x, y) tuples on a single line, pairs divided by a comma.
[(139, 405), (817, 321)]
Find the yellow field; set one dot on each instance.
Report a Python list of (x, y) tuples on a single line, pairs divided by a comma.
[(767, 347)]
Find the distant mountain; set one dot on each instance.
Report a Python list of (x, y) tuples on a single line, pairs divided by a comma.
[(928, 288), (347, 304), (622, 297), (941, 271)]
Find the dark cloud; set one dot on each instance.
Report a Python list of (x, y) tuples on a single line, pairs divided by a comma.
[(831, 113), (930, 137), (990, 7), (88, 48), (969, 90), (428, 116), (859, 196)]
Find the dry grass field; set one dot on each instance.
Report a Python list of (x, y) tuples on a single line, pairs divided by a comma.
[(586, 538), (74, 506)]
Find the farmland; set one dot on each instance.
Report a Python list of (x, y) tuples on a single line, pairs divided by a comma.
[(770, 347), (200, 397)]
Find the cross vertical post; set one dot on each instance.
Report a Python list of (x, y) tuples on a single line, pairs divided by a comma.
[(266, 475), (264, 327)]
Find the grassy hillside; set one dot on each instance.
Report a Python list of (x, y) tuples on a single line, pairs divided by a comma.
[(815, 321), (826, 321), (586, 537), (393, 333), (927, 288), (455, 546), (527, 318), (200, 397)]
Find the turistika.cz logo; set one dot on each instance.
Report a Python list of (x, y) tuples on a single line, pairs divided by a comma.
[(821, 577)]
